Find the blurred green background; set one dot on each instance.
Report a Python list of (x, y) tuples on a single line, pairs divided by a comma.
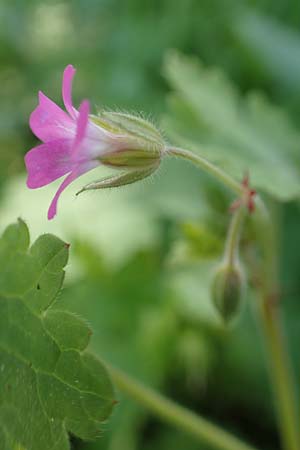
[(142, 257)]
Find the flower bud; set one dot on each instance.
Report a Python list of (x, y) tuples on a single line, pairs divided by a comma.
[(227, 291), (138, 144)]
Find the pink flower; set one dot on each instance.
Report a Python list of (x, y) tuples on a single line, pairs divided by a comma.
[(75, 142)]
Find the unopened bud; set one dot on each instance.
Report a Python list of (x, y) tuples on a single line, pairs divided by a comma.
[(136, 143), (135, 147), (227, 291)]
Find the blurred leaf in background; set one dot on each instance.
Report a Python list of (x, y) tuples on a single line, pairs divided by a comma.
[(239, 134)]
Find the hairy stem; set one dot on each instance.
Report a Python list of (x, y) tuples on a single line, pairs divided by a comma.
[(176, 415), (207, 167)]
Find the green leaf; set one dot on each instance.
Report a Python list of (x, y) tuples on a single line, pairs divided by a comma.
[(49, 384), (200, 241), (208, 115), (259, 34)]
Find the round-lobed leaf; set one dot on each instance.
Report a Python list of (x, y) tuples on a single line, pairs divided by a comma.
[(49, 384)]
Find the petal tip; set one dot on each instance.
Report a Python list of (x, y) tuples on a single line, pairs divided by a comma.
[(51, 215), (70, 67), (29, 184), (68, 76), (52, 209), (41, 95), (69, 72)]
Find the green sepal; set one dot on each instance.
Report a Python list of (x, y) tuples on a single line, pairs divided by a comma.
[(119, 180)]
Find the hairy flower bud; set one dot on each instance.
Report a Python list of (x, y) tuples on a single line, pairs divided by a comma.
[(136, 143), (227, 291)]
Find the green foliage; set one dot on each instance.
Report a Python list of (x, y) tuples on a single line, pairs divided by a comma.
[(49, 384), (207, 114), (260, 34), (201, 241)]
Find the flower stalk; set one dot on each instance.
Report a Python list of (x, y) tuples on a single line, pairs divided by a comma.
[(207, 167), (182, 418), (233, 237)]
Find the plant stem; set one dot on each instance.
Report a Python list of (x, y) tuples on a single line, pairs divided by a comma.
[(280, 373), (280, 364), (207, 167), (233, 236), (176, 415)]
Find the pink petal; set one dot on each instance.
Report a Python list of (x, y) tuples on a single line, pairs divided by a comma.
[(77, 172), (68, 76), (82, 123), (49, 122), (47, 162)]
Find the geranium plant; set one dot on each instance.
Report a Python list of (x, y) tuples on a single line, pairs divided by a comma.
[(50, 384)]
